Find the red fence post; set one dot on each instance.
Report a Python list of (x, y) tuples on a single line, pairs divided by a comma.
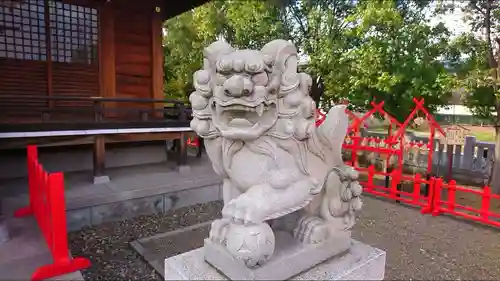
[(31, 159), (356, 141), (416, 188), (436, 198), (46, 195), (485, 204), (194, 142), (452, 187), (55, 232), (395, 180), (430, 202), (56, 200), (371, 173)]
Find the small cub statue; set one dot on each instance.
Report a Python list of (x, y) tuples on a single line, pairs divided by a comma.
[(280, 171)]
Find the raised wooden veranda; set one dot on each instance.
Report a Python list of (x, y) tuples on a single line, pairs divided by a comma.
[(87, 71)]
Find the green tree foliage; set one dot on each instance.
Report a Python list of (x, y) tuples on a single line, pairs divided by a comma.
[(476, 60), (391, 55), (364, 50), (244, 24)]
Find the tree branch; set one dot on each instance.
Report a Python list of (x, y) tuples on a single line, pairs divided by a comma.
[(478, 9), (299, 20)]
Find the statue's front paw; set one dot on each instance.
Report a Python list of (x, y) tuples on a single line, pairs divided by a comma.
[(218, 230), (241, 211), (311, 230)]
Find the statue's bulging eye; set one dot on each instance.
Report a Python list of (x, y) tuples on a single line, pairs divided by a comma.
[(260, 79)]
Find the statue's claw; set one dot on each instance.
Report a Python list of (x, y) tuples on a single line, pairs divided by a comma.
[(311, 230), (218, 230), (240, 212)]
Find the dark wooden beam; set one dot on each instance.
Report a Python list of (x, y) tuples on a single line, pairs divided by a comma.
[(85, 140), (100, 160), (157, 58), (75, 125), (107, 67), (182, 150)]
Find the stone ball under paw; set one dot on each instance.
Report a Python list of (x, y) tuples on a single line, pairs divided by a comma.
[(252, 244)]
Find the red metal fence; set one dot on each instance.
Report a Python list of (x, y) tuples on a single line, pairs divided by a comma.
[(434, 202), (48, 206), (484, 214), (431, 194)]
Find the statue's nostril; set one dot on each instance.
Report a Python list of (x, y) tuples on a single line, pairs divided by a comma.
[(246, 92), (227, 92)]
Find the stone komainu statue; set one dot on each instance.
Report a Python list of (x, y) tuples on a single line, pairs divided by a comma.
[(280, 171)]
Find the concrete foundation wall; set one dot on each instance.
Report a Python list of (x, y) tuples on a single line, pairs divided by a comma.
[(154, 204), (79, 158)]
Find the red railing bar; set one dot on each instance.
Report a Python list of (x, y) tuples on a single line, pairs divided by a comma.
[(48, 207)]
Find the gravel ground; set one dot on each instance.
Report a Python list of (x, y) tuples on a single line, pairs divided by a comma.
[(418, 246), (108, 248)]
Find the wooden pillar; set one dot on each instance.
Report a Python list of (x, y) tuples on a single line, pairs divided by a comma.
[(48, 34), (100, 160), (107, 85), (182, 160), (182, 154), (107, 69), (157, 61)]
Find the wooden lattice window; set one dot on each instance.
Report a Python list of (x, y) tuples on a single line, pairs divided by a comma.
[(74, 33), (25, 27), (47, 48), (23, 31)]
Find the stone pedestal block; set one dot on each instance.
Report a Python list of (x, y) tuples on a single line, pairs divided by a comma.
[(360, 262), (288, 258)]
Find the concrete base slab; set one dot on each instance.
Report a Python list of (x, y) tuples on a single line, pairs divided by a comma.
[(26, 251), (185, 169), (101, 179), (4, 231), (287, 260), (361, 262)]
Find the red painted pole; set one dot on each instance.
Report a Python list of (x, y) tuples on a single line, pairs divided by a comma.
[(371, 173), (57, 212), (430, 202), (56, 232), (436, 206), (47, 204), (416, 188), (452, 187), (485, 204), (31, 160), (396, 179), (356, 140), (430, 148)]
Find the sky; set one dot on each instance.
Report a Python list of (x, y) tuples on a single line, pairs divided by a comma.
[(453, 21)]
